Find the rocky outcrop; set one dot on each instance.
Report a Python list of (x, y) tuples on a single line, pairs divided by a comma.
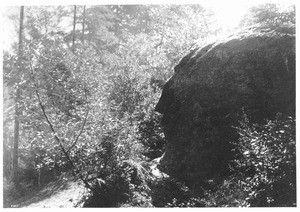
[(252, 70)]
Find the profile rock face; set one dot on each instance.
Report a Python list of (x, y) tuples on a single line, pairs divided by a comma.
[(251, 71)]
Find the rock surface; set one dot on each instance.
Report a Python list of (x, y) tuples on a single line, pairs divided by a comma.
[(252, 70)]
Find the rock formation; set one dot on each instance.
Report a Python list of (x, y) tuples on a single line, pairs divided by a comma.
[(251, 71)]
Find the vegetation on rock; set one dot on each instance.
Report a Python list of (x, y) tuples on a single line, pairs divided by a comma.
[(84, 81)]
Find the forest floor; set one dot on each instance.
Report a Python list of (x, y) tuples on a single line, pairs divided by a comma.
[(63, 193)]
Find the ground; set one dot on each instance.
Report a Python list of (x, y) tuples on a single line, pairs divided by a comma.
[(66, 192), (62, 193)]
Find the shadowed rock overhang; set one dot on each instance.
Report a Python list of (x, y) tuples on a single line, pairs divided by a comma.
[(251, 71)]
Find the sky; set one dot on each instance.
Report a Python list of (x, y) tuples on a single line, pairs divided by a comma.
[(228, 13)]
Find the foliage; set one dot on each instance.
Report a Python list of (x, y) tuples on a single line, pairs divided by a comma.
[(152, 137), (270, 150), (10, 192), (265, 168), (100, 99), (124, 184), (171, 192), (270, 14)]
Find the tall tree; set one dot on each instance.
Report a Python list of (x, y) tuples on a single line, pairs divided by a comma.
[(17, 100), (83, 24), (74, 28)]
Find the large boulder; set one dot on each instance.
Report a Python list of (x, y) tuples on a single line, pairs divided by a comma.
[(251, 71)]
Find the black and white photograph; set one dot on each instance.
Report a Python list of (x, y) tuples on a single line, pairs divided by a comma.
[(148, 104)]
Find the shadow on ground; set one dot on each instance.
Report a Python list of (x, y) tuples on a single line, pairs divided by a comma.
[(40, 194)]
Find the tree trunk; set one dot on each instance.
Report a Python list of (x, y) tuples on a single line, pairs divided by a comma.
[(39, 177), (74, 28), (83, 24), (17, 101)]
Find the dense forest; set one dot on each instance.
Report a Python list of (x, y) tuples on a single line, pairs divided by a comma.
[(80, 89)]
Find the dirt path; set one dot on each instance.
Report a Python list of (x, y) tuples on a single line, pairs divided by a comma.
[(63, 193), (60, 194)]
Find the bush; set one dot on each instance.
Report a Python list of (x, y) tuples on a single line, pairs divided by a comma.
[(10, 192), (264, 169), (152, 137), (123, 185)]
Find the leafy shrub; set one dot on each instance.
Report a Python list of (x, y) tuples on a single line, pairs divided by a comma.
[(123, 185), (270, 152), (124, 94), (171, 192), (264, 169), (107, 86), (151, 136), (10, 192)]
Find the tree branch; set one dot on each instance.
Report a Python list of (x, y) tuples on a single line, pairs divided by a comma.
[(57, 138), (81, 130)]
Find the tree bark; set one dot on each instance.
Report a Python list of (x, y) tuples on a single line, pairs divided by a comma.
[(83, 24), (74, 28), (17, 101)]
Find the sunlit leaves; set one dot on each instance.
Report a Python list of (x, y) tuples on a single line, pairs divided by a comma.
[(270, 14), (116, 75), (269, 152)]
